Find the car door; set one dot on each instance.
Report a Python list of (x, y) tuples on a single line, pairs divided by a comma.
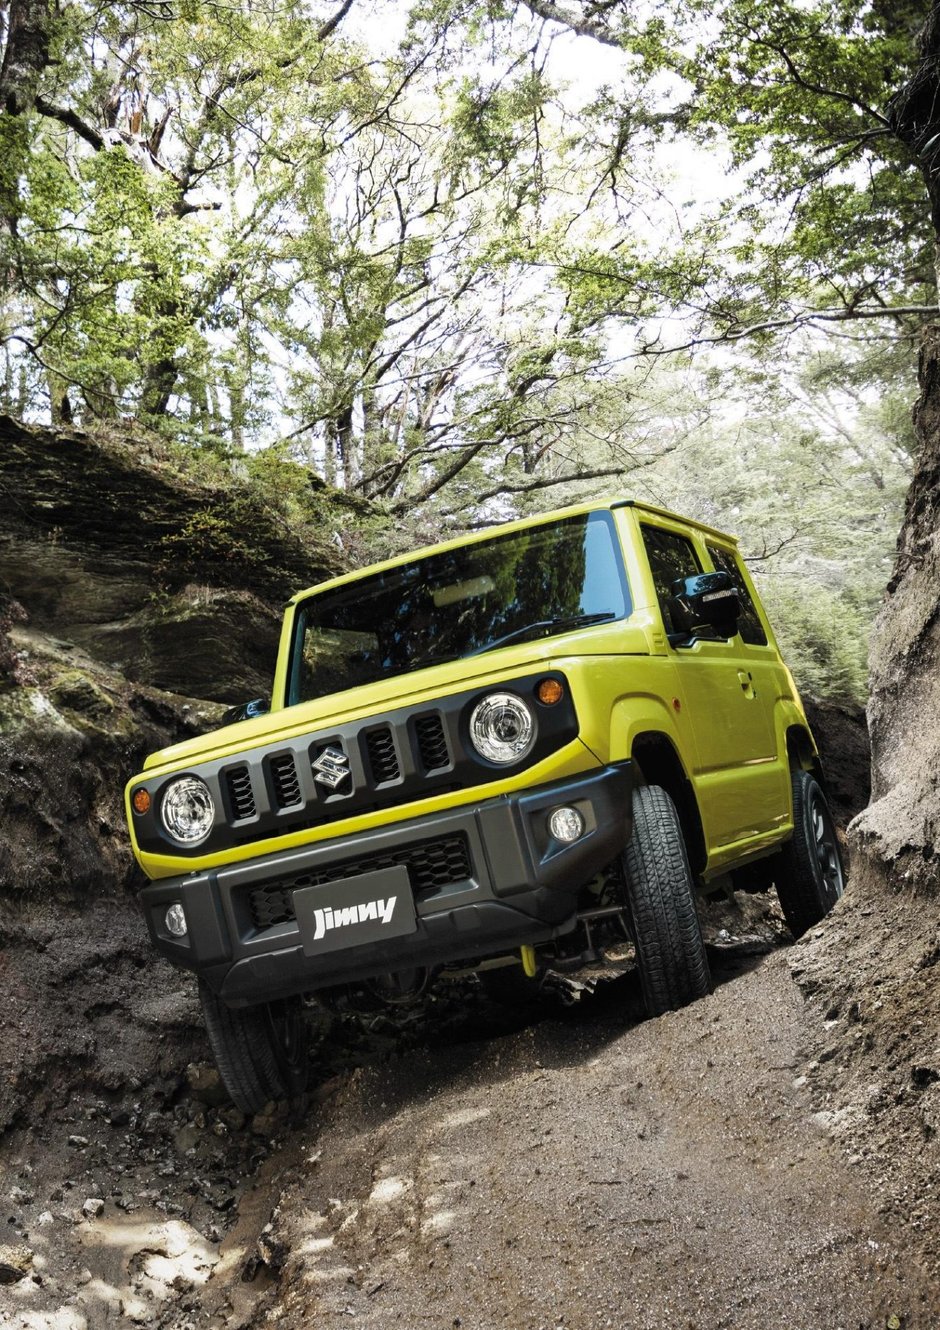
[(738, 776)]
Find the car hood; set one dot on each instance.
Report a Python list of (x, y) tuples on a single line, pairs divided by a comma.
[(414, 688)]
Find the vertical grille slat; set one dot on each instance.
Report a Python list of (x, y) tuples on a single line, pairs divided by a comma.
[(382, 756), (241, 797), (285, 781), (432, 744)]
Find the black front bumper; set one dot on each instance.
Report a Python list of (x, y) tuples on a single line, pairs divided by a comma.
[(487, 877)]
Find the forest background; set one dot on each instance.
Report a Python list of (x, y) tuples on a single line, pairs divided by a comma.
[(463, 261)]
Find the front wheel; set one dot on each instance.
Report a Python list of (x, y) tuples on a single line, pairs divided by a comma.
[(261, 1052), (660, 900), (810, 877)]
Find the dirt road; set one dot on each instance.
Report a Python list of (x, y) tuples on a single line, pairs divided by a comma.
[(579, 1171)]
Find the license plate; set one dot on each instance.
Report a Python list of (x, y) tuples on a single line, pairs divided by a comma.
[(355, 910)]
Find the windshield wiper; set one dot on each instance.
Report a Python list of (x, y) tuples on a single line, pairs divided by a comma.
[(436, 658), (563, 621)]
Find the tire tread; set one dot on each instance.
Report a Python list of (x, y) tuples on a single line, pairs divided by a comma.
[(670, 949), (242, 1047), (798, 888)]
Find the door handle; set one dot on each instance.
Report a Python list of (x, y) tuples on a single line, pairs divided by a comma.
[(746, 679)]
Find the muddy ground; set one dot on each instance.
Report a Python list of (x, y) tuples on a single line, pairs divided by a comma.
[(732, 1165)]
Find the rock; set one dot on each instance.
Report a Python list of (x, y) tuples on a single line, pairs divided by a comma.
[(15, 1263), (212, 643), (841, 735), (45, 1219), (20, 1196), (206, 1083), (266, 1122), (78, 693), (84, 554), (78, 1142), (93, 1207), (187, 1138)]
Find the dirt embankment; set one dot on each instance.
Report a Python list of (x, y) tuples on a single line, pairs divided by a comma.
[(104, 626), (467, 1166)]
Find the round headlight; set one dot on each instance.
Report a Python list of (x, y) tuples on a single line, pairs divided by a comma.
[(187, 810), (502, 728)]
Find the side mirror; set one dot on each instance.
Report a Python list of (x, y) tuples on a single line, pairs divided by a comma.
[(707, 600), (258, 706)]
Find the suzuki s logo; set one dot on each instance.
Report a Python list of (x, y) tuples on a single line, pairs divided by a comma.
[(331, 767), (381, 911)]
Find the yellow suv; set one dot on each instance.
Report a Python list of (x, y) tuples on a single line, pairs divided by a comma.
[(501, 753)]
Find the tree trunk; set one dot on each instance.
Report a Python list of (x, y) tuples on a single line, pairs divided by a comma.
[(158, 388), (914, 112), (25, 54)]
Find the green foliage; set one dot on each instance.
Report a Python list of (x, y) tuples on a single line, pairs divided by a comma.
[(811, 479), (822, 635), (207, 538), (429, 260)]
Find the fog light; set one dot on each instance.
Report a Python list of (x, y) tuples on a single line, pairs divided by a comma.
[(176, 920), (566, 824)]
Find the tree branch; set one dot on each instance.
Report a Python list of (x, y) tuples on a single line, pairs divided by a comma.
[(552, 13), (546, 481), (67, 116), (770, 553), (835, 93), (848, 315), (465, 458), (333, 23)]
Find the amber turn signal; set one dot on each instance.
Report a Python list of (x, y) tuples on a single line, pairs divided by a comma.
[(141, 801), (549, 691)]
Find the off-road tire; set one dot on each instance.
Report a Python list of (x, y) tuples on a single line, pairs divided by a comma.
[(261, 1052), (810, 877), (660, 899)]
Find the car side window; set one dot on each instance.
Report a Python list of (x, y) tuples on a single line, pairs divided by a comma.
[(670, 556), (749, 624)]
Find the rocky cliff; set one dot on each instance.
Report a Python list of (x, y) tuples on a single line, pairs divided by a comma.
[(897, 837), (134, 600), (871, 974)]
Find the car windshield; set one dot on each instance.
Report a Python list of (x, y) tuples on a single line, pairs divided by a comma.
[(512, 588)]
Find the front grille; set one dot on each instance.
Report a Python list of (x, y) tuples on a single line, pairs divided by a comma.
[(432, 745), (238, 782), (285, 781), (431, 864), (382, 756)]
